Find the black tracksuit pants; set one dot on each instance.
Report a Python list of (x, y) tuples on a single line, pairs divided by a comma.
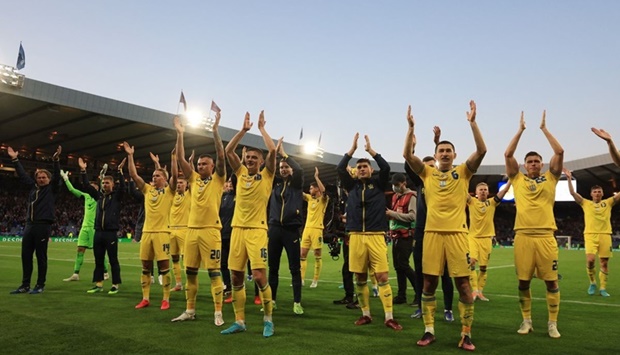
[(289, 239)]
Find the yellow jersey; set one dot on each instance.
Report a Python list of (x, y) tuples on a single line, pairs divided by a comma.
[(597, 216), (316, 210), (179, 211), (481, 217), (446, 198), (534, 199), (253, 193), (157, 204), (206, 199)]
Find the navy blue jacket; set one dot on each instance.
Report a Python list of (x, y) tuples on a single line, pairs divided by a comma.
[(41, 200), (287, 201), (366, 201), (227, 208), (108, 206)]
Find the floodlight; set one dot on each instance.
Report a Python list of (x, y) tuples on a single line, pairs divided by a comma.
[(310, 148), (11, 77), (194, 118)]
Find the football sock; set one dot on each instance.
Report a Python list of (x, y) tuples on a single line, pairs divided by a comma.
[(217, 289), (553, 304), (429, 305), (525, 302)]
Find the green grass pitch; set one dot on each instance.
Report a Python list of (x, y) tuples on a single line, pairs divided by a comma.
[(67, 320)]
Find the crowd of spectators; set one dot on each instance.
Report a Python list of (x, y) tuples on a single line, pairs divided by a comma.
[(69, 211)]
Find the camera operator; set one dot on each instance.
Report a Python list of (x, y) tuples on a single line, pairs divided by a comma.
[(402, 223)]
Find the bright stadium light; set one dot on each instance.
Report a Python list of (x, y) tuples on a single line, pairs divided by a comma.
[(313, 149), (197, 119), (310, 148), (11, 77), (194, 118)]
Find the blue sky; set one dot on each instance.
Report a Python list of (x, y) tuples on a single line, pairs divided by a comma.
[(340, 67)]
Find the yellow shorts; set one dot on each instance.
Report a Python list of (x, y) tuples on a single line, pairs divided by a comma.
[(155, 246), (312, 238), (203, 247), (536, 253), (367, 250), (480, 249), (177, 240), (446, 247), (247, 243), (598, 244)]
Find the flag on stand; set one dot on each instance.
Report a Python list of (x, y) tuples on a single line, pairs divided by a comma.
[(301, 134), (182, 101), (320, 134), (214, 107), (21, 58)]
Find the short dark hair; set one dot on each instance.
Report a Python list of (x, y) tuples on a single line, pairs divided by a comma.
[(532, 154), (444, 142), (362, 160), (208, 156), (398, 178), (595, 187), (427, 158), (314, 184), (252, 149)]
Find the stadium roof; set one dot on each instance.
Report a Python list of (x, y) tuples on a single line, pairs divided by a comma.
[(40, 116)]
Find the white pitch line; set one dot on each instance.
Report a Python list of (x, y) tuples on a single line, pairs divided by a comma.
[(499, 267)]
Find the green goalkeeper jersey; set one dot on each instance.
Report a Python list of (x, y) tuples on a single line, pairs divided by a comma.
[(90, 206)]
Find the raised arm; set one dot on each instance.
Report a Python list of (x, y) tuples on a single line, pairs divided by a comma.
[(512, 167), (186, 167), (155, 159), (613, 151), (569, 176), (343, 172), (557, 160), (174, 168), (73, 190), (55, 181), (233, 158), (501, 193), (220, 163), (436, 135), (19, 168), (354, 145), (270, 160), (174, 177), (190, 160), (411, 160), (122, 186), (133, 173), (86, 187), (474, 160), (384, 166), (319, 183)]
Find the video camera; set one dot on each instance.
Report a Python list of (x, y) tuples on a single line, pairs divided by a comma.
[(333, 243)]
